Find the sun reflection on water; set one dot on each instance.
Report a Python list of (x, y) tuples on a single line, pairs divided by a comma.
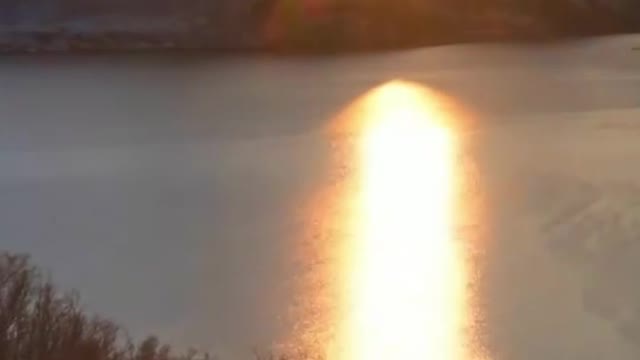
[(403, 281), (396, 284)]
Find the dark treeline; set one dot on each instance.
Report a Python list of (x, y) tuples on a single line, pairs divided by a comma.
[(354, 24), (315, 25), (38, 322)]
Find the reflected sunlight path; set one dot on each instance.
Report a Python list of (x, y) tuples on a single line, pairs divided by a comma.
[(403, 290)]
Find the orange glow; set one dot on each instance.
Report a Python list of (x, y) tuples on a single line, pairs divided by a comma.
[(403, 290)]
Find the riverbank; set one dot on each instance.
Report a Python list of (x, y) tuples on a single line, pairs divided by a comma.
[(113, 43), (271, 27)]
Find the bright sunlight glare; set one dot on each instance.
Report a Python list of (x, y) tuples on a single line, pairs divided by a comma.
[(405, 282)]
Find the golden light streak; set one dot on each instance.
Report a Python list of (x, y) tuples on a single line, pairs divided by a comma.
[(404, 280)]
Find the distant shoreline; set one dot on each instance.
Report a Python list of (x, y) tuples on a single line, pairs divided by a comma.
[(88, 47), (291, 27)]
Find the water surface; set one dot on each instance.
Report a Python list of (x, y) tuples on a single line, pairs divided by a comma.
[(175, 192)]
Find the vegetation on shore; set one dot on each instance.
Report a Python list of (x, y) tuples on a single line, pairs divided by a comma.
[(39, 322), (309, 25), (365, 24)]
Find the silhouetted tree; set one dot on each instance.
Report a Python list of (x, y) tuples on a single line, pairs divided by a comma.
[(38, 322)]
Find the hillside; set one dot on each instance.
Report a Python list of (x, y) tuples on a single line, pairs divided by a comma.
[(57, 25)]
